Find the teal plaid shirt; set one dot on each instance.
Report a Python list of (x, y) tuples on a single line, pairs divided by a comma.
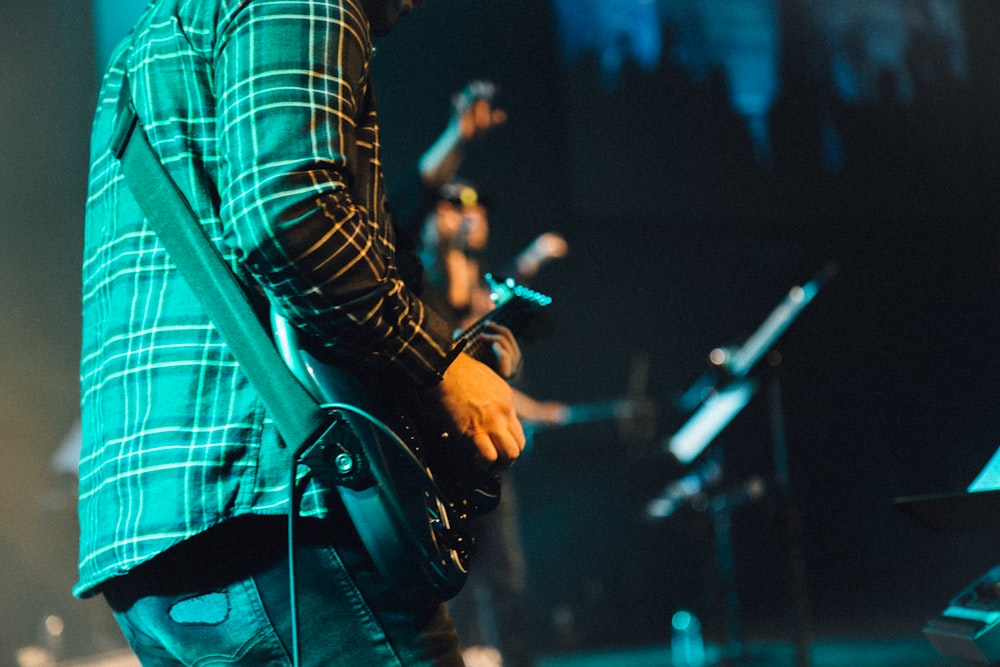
[(264, 113)]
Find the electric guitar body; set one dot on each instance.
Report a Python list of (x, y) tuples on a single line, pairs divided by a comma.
[(407, 489)]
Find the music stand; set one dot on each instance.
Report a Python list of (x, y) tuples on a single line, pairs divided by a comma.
[(962, 511), (718, 397), (969, 627), (974, 509), (719, 405)]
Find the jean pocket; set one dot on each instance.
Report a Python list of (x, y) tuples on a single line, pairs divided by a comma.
[(223, 627)]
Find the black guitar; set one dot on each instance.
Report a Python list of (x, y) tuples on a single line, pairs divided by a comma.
[(410, 502)]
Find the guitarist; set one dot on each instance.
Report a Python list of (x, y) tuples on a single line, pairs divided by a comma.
[(264, 113)]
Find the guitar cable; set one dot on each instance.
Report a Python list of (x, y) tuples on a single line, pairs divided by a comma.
[(293, 512)]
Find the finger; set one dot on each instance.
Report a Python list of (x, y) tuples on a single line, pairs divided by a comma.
[(499, 450), (486, 451), (505, 364), (511, 441), (500, 337), (494, 329), (517, 429), (482, 115), (506, 353), (508, 449), (491, 336)]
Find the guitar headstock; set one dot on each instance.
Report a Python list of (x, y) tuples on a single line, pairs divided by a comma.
[(517, 307), (503, 292)]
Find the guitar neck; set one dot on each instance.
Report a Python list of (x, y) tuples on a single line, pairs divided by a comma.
[(516, 305), (472, 340)]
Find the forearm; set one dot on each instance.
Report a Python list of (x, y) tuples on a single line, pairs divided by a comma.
[(472, 114), (302, 195), (439, 163)]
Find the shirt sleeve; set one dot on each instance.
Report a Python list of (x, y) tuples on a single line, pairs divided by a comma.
[(301, 184)]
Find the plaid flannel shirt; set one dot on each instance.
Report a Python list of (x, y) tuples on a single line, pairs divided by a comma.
[(264, 113)]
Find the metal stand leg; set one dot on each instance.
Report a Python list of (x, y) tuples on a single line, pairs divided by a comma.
[(722, 514), (788, 506)]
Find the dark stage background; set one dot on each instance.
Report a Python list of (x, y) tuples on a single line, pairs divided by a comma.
[(692, 198)]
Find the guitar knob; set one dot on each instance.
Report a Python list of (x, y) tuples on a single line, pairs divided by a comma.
[(344, 463)]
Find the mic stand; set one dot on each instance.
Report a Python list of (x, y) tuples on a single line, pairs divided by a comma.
[(789, 508), (720, 508), (721, 513)]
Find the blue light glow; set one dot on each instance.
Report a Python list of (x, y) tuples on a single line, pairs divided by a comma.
[(862, 44)]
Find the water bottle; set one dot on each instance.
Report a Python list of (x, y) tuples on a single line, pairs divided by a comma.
[(687, 648)]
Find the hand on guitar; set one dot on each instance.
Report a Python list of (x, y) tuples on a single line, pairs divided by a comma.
[(481, 406), (505, 349)]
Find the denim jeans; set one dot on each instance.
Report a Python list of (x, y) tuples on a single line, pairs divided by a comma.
[(209, 605)]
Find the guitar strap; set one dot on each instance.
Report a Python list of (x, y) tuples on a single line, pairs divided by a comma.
[(300, 419)]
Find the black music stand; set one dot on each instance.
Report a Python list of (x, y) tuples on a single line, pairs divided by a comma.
[(717, 398), (976, 508), (963, 511), (723, 392)]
